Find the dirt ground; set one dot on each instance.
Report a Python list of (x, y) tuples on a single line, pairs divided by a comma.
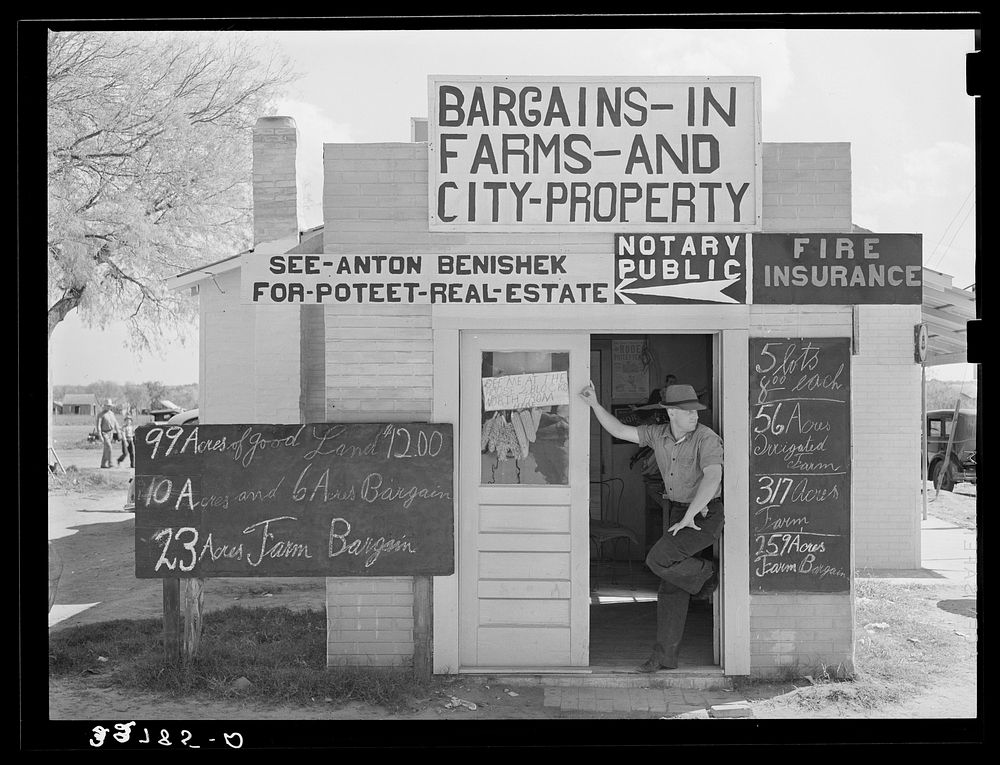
[(949, 696), (98, 568)]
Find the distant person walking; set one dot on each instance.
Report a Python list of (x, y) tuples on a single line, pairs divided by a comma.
[(128, 441), (107, 428)]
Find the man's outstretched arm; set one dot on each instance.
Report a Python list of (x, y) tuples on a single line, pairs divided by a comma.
[(608, 421)]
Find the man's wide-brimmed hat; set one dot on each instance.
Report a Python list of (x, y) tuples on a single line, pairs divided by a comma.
[(681, 397)]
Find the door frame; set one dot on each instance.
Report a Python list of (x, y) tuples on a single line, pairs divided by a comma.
[(729, 323)]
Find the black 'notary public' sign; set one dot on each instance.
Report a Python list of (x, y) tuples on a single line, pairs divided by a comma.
[(327, 499), (800, 464)]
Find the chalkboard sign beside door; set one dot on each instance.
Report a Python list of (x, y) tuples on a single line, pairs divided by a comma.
[(328, 499), (800, 464)]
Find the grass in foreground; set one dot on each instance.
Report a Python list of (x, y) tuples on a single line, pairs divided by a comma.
[(88, 479), (899, 652), (281, 652), (897, 638)]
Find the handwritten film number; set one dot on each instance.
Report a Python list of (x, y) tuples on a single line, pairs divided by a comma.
[(423, 445), (124, 732)]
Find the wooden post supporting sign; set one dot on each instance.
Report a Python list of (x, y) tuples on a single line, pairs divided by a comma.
[(194, 596), (423, 597), (172, 619), (923, 438)]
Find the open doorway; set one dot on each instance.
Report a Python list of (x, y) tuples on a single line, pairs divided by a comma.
[(628, 372)]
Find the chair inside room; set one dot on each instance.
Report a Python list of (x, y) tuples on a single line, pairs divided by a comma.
[(607, 533)]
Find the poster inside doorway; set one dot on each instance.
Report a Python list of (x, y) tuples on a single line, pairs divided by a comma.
[(629, 370)]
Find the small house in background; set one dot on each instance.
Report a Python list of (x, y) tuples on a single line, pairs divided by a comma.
[(78, 403), (163, 410)]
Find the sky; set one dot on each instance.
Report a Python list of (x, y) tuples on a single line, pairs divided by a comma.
[(897, 96)]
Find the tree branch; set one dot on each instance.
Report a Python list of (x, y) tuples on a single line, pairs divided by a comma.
[(70, 300)]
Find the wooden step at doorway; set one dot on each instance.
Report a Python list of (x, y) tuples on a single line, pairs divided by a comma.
[(708, 678)]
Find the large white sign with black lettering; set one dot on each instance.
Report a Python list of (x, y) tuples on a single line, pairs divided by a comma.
[(549, 153), (644, 268)]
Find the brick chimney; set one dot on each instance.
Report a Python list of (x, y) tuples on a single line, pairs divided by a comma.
[(275, 197)]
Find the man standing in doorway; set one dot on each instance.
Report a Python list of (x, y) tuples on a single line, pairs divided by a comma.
[(107, 426), (689, 458)]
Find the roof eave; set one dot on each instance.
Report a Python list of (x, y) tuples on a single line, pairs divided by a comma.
[(211, 270)]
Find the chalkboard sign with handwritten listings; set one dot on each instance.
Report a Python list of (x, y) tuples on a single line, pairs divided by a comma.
[(328, 499), (800, 464)]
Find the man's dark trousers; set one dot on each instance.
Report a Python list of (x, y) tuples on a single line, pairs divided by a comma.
[(682, 573)]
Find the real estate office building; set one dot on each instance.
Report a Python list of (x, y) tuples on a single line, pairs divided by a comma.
[(615, 230)]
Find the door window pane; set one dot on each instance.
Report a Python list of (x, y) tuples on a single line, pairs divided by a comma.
[(525, 417)]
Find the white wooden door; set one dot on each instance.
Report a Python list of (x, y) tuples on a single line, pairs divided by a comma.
[(524, 520)]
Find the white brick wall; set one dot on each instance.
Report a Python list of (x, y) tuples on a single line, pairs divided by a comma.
[(313, 363), (250, 370), (226, 390), (801, 633), (379, 363), (275, 185), (886, 439), (369, 621), (806, 186)]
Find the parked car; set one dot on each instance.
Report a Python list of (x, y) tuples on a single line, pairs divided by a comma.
[(962, 464), (187, 417)]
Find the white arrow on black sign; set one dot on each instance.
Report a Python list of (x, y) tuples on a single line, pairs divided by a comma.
[(707, 291)]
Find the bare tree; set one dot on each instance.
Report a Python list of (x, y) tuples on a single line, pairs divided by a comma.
[(156, 391), (149, 169)]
